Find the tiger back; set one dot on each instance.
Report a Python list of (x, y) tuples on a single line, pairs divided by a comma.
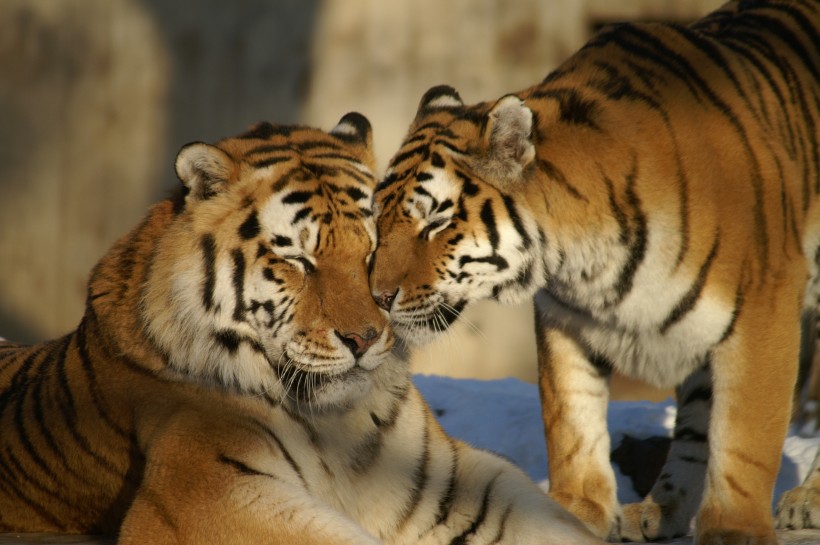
[(657, 194)]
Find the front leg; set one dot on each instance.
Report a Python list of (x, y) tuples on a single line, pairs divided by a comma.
[(221, 483), (574, 397), (668, 509)]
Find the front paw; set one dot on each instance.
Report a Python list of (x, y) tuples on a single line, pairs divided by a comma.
[(649, 521), (799, 508), (602, 520)]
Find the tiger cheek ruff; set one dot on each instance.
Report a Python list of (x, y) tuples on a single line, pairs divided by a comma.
[(232, 382), (657, 196)]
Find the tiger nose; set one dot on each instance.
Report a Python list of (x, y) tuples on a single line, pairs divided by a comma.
[(358, 344), (385, 299)]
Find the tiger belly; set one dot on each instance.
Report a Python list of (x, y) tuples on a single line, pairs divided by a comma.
[(660, 356)]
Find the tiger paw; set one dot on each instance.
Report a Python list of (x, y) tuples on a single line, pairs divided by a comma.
[(603, 521), (799, 508), (649, 521)]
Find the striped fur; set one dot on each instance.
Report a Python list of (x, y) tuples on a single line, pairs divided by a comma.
[(231, 380), (658, 191)]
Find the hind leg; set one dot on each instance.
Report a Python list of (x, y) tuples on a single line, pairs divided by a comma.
[(754, 373), (670, 506)]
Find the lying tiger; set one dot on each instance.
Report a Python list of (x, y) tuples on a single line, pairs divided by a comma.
[(231, 379), (659, 193)]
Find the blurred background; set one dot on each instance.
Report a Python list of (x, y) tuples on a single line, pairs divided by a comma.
[(97, 97)]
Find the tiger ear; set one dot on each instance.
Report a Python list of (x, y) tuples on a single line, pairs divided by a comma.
[(203, 169), (440, 97), (354, 128), (507, 140)]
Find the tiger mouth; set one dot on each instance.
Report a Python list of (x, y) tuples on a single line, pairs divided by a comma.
[(436, 319), (302, 385)]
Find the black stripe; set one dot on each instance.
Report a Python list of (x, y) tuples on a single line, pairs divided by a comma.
[(730, 328), (367, 452), (445, 502), (422, 150), (57, 452), (22, 434), (787, 36), (681, 67), (239, 284), (502, 526), (556, 175), (488, 218), (250, 227), (617, 212), (512, 212), (69, 414), (270, 161), (281, 240), (689, 434), (297, 197), (637, 248), (703, 393), (281, 446), (355, 193), (436, 160), (480, 516), (691, 297), (231, 340), (335, 155), (300, 215), (420, 478), (48, 488), (93, 384), (8, 481), (269, 148), (499, 262), (208, 245)]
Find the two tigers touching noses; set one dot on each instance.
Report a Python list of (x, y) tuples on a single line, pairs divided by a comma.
[(232, 377)]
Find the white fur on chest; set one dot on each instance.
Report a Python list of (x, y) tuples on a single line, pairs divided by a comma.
[(632, 338)]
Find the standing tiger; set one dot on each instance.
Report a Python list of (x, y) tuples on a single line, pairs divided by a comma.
[(657, 194), (231, 379)]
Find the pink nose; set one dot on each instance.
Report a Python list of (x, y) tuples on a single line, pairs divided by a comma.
[(385, 299), (358, 344)]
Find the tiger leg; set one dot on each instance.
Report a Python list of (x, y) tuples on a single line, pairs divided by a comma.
[(754, 374), (244, 513), (671, 504), (574, 396), (218, 482), (800, 507)]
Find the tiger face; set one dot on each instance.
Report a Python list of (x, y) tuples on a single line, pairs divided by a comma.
[(262, 284), (447, 235)]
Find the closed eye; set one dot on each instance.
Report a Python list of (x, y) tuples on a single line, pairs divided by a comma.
[(433, 227), (305, 263)]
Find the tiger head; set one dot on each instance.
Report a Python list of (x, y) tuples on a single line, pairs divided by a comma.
[(449, 231), (261, 283)]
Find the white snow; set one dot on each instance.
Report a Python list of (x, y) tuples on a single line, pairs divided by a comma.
[(504, 416)]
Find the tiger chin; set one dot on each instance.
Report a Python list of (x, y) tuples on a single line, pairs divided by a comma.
[(231, 380), (657, 195)]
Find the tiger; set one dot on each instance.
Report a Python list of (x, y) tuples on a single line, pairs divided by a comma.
[(232, 379), (656, 196)]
